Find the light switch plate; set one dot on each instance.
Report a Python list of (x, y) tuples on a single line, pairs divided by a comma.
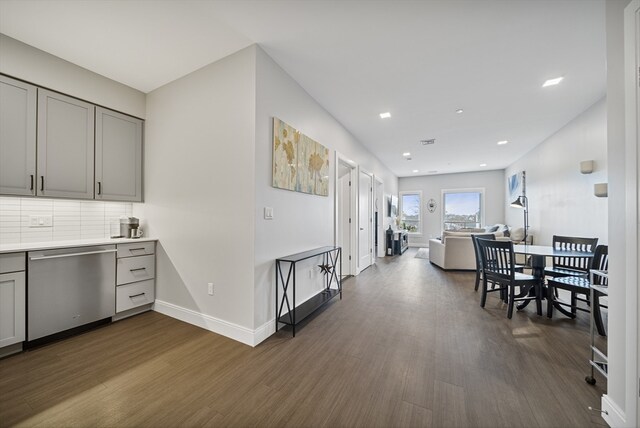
[(40, 221), (268, 213)]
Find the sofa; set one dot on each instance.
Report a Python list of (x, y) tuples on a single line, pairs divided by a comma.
[(454, 251)]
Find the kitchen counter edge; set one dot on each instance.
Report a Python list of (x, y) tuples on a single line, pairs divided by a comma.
[(51, 245)]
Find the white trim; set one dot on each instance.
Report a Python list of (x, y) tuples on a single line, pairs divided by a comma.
[(462, 190), (351, 265), (615, 417), (378, 185), (418, 233), (632, 94), (234, 331), (359, 268)]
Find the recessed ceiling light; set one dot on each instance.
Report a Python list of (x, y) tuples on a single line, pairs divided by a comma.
[(406, 154), (552, 82), (385, 115), (459, 111), (415, 170), (502, 143), (483, 164)]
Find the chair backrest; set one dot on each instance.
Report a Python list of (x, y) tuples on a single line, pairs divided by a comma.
[(570, 243), (476, 249), (600, 262), (497, 259)]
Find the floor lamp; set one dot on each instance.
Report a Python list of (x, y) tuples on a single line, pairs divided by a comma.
[(523, 202)]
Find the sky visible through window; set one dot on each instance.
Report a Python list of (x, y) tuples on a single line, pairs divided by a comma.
[(462, 203), (410, 206)]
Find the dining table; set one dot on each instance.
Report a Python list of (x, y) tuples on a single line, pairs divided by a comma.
[(539, 254)]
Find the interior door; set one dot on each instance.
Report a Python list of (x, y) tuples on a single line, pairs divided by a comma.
[(365, 189)]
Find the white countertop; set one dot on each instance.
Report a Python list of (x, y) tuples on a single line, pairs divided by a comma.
[(49, 245)]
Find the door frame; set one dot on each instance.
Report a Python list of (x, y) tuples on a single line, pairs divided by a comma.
[(378, 186), (371, 231), (349, 267), (632, 123)]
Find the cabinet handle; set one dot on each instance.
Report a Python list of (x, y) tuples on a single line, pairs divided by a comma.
[(134, 270), (42, 183), (99, 188), (31, 186), (136, 249), (137, 295)]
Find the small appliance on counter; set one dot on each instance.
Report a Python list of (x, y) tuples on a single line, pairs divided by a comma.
[(129, 228)]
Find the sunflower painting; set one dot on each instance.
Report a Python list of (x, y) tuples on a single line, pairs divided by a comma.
[(299, 163)]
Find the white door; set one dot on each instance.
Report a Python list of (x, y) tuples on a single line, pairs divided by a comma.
[(365, 188)]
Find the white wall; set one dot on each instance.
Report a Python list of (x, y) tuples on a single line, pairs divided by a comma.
[(40, 68), (199, 191), (431, 186), (301, 222), (621, 387), (561, 200)]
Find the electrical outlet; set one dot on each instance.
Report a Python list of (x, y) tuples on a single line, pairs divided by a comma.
[(40, 221), (210, 288)]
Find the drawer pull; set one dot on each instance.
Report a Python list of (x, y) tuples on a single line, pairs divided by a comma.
[(136, 249), (137, 295), (137, 269)]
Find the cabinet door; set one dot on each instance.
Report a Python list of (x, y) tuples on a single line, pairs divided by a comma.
[(17, 137), (65, 146), (12, 308), (118, 156)]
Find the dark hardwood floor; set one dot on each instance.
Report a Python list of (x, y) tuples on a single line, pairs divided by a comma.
[(407, 346)]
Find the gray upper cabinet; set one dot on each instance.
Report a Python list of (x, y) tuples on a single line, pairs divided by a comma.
[(118, 156), (65, 146), (17, 137)]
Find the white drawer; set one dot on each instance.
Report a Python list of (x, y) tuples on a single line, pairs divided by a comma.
[(136, 249), (133, 295), (12, 262), (133, 269)]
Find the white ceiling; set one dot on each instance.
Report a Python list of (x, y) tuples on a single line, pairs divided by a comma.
[(419, 60)]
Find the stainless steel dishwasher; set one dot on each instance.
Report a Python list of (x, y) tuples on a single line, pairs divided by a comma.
[(68, 288)]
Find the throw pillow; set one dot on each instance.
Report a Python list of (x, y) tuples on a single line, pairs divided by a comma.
[(517, 234), (493, 229)]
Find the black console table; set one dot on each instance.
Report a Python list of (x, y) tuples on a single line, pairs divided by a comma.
[(294, 315)]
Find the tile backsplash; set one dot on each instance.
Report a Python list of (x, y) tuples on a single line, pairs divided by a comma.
[(71, 219)]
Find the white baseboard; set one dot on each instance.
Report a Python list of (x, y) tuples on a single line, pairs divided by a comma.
[(615, 417), (233, 331)]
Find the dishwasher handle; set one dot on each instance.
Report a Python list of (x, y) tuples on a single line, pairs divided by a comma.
[(58, 256)]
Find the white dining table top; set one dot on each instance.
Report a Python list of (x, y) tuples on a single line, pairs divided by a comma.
[(548, 251)]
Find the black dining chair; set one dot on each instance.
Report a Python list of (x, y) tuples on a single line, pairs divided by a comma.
[(498, 265), (571, 266), (578, 285), (476, 250)]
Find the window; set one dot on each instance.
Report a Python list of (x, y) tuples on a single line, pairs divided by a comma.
[(462, 209), (410, 203)]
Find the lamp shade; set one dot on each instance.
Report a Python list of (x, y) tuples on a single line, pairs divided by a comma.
[(586, 167), (518, 203)]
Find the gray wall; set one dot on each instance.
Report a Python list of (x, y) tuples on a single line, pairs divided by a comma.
[(561, 199), (621, 385), (431, 186), (199, 188), (301, 221), (40, 68)]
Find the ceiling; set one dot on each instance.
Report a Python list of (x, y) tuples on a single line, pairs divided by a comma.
[(418, 60)]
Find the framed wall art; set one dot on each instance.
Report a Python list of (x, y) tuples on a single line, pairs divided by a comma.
[(299, 163)]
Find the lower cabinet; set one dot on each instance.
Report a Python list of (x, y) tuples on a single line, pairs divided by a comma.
[(12, 299), (135, 273)]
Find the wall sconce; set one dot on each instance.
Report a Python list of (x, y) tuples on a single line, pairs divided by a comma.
[(601, 190), (586, 167)]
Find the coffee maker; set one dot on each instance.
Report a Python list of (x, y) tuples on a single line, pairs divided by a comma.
[(129, 227)]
